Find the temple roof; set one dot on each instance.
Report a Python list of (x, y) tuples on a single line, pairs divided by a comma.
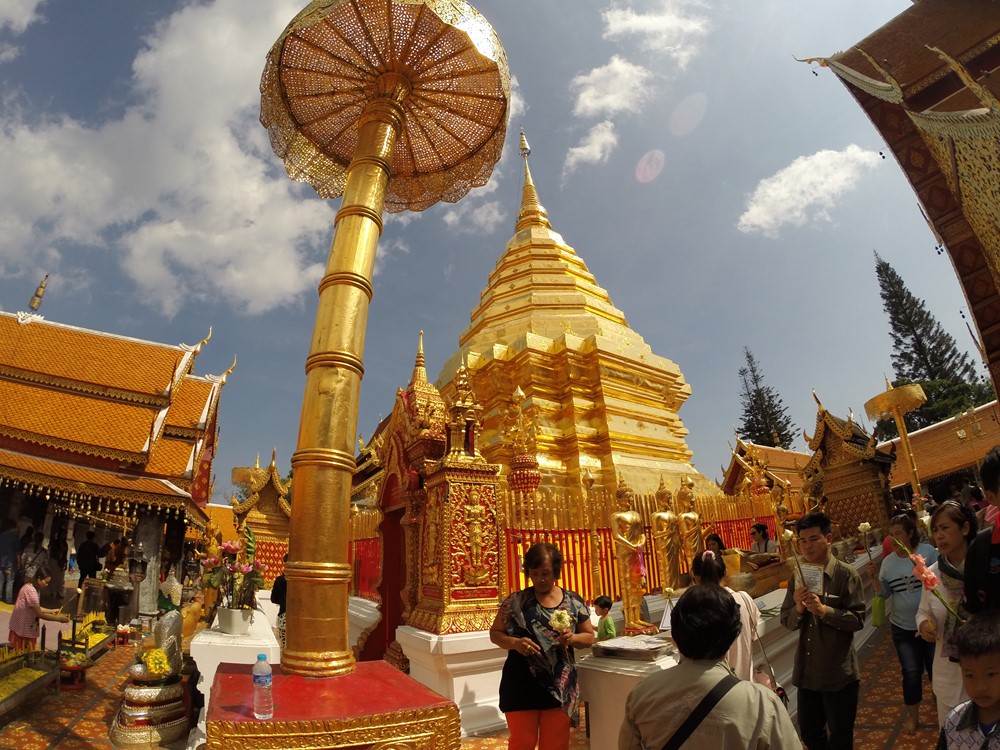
[(929, 80), (784, 464), (108, 413), (90, 361), (938, 449)]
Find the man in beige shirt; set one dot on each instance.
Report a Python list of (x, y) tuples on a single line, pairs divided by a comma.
[(704, 623)]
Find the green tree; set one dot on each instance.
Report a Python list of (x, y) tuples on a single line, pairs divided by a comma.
[(923, 352), (765, 417)]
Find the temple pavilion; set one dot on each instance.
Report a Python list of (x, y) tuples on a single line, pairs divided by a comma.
[(112, 432), (603, 405)]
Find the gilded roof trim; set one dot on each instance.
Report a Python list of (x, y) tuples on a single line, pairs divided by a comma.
[(82, 387), (82, 448)]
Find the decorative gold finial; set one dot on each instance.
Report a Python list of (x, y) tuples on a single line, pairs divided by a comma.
[(532, 212), (419, 367), (274, 457), (256, 464), (224, 376), (36, 299), (204, 341)]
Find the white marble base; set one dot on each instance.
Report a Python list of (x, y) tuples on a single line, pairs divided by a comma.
[(361, 615), (464, 667), (605, 684)]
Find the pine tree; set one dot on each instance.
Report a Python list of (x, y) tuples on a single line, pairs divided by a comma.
[(765, 417), (923, 352)]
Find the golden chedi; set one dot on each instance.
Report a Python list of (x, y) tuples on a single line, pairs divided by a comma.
[(601, 400)]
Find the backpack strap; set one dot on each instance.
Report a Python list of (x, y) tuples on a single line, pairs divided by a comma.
[(703, 709)]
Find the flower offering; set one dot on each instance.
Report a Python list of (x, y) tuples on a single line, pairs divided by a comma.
[(561, 622)]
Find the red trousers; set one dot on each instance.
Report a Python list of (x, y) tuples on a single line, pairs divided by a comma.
[(546, 730)]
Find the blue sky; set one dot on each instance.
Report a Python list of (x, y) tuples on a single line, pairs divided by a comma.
[(722, 193)]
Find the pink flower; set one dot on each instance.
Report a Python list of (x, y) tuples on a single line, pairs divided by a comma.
[(246, 568), (921, 571)]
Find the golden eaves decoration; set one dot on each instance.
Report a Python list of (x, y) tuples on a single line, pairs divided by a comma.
[(330, 61)]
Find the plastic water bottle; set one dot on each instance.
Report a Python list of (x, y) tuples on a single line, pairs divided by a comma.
[(263, 701)]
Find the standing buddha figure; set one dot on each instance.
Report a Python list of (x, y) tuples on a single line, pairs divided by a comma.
[(666, 536), (630, 538), (690, 521)]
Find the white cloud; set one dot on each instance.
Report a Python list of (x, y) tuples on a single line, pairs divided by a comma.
[(806, 190), (470, 218), (672, 31), (595, 147), (388, 249), (517, 105), (183, 186), (616, 87), (17, 15), (8, 52)]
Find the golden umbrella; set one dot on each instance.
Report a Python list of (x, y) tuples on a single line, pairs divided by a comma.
[(396, 104), (894, 403)]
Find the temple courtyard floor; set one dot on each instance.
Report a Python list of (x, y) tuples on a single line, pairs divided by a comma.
[(79, 719)]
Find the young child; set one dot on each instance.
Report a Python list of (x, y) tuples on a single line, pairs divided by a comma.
[(605, 626), (976, 723)]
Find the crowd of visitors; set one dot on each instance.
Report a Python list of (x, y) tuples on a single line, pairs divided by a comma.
[(943, 598)]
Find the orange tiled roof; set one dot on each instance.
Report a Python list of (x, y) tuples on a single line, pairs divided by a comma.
[(171, 457), (192, 403), (75, 421), (102, 483), (51, 351)]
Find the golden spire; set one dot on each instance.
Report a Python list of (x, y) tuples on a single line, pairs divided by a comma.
[(419, 368), (532, 212), (36, 299)]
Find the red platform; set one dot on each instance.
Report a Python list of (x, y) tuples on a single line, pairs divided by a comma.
[(374, 704)]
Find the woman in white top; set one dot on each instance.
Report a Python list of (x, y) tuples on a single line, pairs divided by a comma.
[(761, 542), (708, 569), (954, 527)]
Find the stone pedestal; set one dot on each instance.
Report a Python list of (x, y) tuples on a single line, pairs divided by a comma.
[(375, 706), (464, 667), (605, 684)]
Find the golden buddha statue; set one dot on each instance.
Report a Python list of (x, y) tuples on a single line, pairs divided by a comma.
[(630, 538), (667, 538), (689, 521)]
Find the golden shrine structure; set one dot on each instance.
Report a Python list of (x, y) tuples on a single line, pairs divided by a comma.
[(849, 471), (929, 80), (99, 429), (266, 511), (602, 403)]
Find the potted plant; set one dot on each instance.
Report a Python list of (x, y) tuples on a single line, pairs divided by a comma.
[(237, 576)]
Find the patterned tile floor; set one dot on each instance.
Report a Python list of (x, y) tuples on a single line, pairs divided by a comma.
[(80, 719)]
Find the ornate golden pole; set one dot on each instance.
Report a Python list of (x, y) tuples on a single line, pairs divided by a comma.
[(345, 81), (895, 403), (316, 636)]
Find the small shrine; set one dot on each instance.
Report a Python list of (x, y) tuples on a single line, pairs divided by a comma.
[(267, 512), (849, 471)]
